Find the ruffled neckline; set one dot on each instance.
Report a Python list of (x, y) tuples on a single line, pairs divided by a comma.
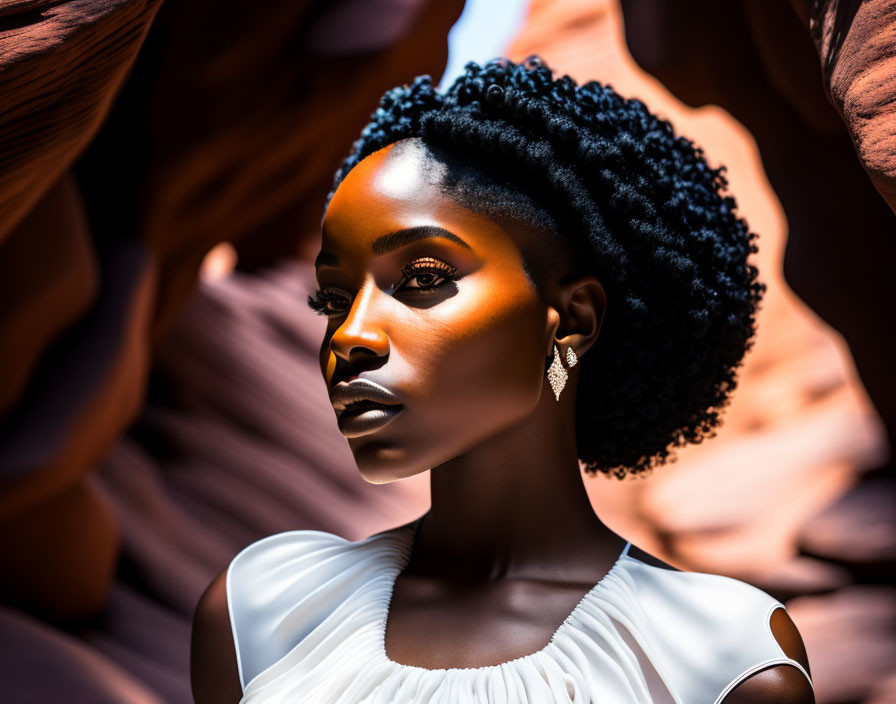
[(309, 612), (399, 561)]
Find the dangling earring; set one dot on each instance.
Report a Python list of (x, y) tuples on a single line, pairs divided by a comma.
[(557, 375)]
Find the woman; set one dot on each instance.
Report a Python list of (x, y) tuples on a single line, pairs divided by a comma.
[(518, 275)]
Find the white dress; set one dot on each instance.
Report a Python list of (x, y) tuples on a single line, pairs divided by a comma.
[(308, 612)]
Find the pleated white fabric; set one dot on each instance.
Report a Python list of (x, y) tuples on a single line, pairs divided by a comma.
[(308, 612)]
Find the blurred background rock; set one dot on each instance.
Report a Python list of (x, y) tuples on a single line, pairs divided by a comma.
[(162, 174)]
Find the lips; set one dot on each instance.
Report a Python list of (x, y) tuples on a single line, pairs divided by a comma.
[(363, 407)]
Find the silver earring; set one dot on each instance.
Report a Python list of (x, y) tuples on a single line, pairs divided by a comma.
[(571, 358), (557, 375)]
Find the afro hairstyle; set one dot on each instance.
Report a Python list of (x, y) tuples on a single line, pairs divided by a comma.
[(645, 212)]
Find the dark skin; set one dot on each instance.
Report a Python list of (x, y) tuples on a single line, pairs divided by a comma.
[(511, 543)]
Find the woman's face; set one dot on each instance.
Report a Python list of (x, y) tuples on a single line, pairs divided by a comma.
[(429, 301)]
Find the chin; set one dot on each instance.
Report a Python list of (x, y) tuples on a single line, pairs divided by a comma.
[(383, 463)]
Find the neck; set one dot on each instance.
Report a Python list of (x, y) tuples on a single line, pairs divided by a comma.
[(515, 506)]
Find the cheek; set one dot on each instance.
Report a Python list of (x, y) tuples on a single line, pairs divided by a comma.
[(479, 363)]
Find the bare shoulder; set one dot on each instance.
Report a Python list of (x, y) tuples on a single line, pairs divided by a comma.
[(779, 684), (213, 669)]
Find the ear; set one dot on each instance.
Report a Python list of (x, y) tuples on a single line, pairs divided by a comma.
[(579, 307)]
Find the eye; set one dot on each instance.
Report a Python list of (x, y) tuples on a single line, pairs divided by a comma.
[(426, 274), (422, 276), (329, 301)]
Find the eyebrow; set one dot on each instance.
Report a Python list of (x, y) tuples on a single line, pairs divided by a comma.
[(400, 238), (394, 240)]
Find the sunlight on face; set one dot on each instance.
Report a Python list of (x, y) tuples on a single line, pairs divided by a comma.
[(429, 301)]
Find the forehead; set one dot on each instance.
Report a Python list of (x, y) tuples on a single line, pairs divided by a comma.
[(398, 188), (395, 176)]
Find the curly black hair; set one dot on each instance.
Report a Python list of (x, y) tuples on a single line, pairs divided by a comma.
[(644, 208)]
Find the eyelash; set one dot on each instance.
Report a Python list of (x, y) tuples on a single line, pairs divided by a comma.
[(320, 300)]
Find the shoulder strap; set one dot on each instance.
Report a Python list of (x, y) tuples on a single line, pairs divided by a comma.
[(706, 632), (296, 571)]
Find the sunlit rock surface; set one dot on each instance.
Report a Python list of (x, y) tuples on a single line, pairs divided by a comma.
[(61, 64), (856, 42)]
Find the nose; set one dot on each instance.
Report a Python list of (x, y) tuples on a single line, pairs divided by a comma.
[(360, 333)]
